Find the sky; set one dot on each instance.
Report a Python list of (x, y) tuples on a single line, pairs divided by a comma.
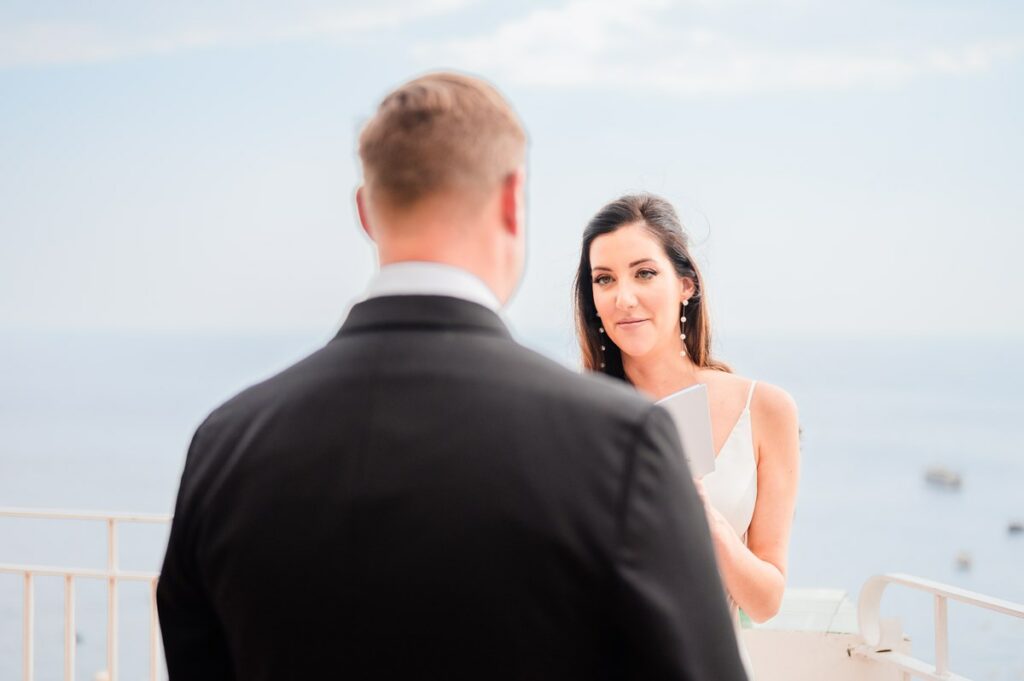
[(843, 169)]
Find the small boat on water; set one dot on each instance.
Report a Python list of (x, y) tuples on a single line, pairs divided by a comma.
[(943, 477)]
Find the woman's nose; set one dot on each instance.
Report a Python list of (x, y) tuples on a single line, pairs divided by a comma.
[(625, 300)]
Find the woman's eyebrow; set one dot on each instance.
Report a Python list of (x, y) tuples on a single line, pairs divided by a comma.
[(632, 264)]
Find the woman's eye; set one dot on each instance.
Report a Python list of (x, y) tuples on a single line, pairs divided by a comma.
[(646, 274), (602, 279)]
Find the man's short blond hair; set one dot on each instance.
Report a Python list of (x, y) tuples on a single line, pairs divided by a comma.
[(442, 132)]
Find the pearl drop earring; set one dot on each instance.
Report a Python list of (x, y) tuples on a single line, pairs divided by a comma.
[(682, 329)]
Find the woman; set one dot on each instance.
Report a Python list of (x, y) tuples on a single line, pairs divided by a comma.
[(641, 316)]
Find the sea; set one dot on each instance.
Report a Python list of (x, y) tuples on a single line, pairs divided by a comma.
[(101, 421)]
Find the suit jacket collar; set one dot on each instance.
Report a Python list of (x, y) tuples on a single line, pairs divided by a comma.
[(422, 312)]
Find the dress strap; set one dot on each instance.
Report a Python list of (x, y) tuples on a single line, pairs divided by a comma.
[(750, 395)]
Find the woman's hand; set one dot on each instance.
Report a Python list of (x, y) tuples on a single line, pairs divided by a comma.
[(719, 526), (702, 493)]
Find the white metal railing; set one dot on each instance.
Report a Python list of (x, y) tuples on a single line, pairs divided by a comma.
[(875, 645), (112, 575)]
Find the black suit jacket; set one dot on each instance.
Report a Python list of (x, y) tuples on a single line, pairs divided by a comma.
[(424, 498)]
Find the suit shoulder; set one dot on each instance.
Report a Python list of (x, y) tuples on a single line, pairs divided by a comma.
[(595, 392), (263, 394)]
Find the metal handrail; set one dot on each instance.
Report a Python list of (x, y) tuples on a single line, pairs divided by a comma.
[(869, 620), (112, 574), (61, 514), (48, 571)]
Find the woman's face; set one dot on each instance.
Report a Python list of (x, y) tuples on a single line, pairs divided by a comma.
[(637, 291)]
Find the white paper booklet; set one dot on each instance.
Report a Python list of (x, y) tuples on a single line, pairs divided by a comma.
[(689, 409)]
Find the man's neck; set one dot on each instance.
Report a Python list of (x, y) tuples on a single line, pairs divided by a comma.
[(431, 278), (446, 230)]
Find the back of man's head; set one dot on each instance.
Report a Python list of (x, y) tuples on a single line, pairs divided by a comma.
[(442, 133)]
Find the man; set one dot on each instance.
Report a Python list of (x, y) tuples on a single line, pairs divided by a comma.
[(425, 499)]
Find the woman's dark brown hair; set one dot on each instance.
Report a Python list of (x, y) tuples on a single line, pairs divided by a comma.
[(660, 219)]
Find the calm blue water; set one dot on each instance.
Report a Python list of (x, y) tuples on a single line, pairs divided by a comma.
[(102, 422)]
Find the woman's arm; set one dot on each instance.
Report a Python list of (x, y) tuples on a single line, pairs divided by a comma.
[(755, 574)]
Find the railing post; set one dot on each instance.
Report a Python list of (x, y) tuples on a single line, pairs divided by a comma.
[(112, 600), (941, 636), (28, 630), (70, 636)]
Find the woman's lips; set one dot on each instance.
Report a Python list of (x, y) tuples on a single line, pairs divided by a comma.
[(630, 323)]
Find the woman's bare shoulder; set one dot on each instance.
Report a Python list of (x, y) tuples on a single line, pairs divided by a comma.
[(776, 423), (774, 403)]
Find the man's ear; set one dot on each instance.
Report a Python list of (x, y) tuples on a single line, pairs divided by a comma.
[(364, 213), (512, 198)]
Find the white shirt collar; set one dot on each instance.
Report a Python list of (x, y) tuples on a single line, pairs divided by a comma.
[(417, 278)]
